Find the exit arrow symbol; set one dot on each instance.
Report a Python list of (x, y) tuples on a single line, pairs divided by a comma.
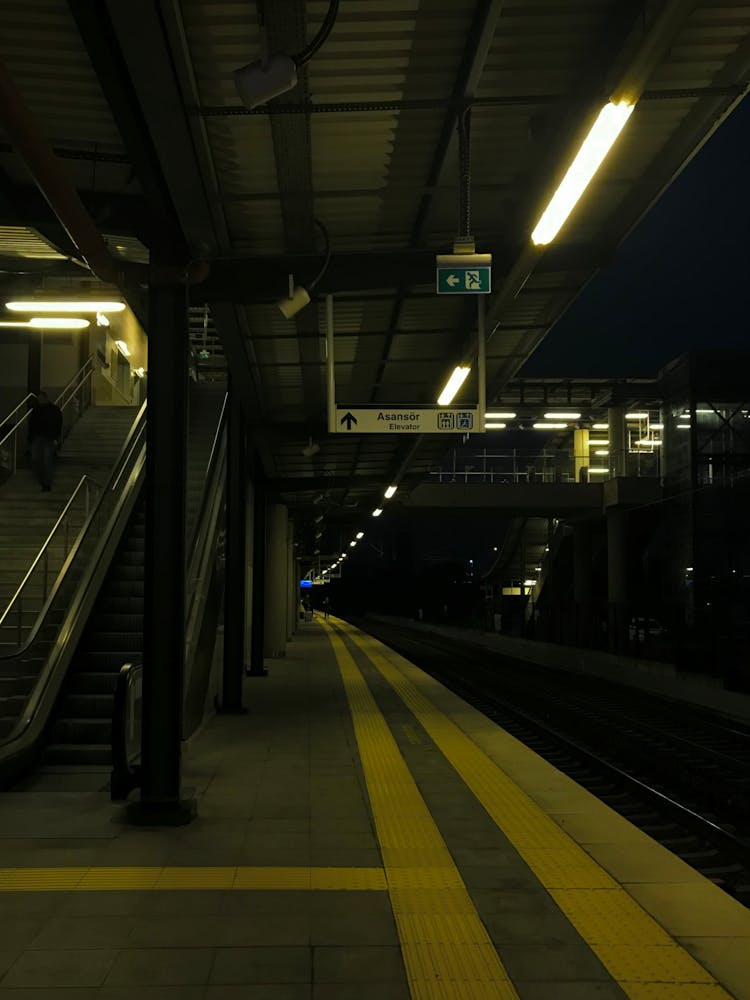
[(348, 419), (452, 280)]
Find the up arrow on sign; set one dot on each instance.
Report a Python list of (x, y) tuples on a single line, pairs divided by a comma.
[(348, 419)]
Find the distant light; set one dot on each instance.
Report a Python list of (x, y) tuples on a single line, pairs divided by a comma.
[(657, 427), (707, 411), (453, 384), (562, 416), (499, 415), (598, 441), (549, 427), (377, 512), (529, 583), (608, 125), (124, 349), (101, 319), (602, 471), (344, 555), (57, 323), (688, 569), (305, 584), (602, 451), (493, 425), (683, 427), (636, 416), (600, 427), (390, 491), (325, 571), (648, 441), (140, 372), (55, 307), (494, 548), (352, 545), (203, 354), (360, 534)]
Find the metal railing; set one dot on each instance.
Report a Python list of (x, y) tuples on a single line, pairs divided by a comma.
[(126, 731), (72, 401), (96, 509), (33, 594), (547, 466)]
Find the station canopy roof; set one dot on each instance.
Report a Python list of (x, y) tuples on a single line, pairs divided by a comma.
[(139, 104)]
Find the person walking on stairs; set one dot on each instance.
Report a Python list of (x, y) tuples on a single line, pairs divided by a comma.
[(45, 432)]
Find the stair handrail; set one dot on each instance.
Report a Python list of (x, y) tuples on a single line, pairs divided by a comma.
[(213, 458), (76, 383), (17, 747), (122, 463), (83, 483)]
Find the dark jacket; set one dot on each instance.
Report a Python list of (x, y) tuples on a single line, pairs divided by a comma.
[(46, 421)]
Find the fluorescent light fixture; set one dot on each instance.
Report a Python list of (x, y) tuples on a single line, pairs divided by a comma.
[(390, 492), (494, 425), (377, 512), (360, 534), (657, 427), (344, 555), (707, 411), (124, 349), (683, 427), (636, 416), (529, 583), (549, 427), (600, 427), (66, 307), (453, 384), (602, 451), (595, 146), (140, 372), (562, 416), (352, 544), (597, 441), (57, 323), (648, 441), (499, 415), (324, 572), (598, 470)]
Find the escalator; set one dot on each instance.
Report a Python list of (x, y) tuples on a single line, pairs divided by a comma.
[(95, 622)]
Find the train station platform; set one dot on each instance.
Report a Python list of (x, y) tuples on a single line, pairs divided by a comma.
[(361, 833)]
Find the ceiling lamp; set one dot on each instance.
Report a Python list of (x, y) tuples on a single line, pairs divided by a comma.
[(600, 427), (562, 416), (260, 81), (46, 323), (124, 349), (299, 295), (360, 534), (453, 384), (499, 415), (549, 427), (494, 425), (636, 416), (377, 512), (66, 307), (608, 125), (390, 491)]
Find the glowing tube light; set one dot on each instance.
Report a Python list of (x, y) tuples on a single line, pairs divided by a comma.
[(636, 416), (494, 425), (453, 384), (57, 323), (391, 491), (549, 427), (352, 544), (595, 146), (496, 415), (600, 427), (598, 470), (360, 534), (65, 307), (562, 416), (377, 512)]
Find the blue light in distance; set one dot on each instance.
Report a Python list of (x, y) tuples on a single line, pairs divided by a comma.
[(305, 584)]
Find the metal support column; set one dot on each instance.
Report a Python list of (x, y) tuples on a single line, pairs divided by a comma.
[(617, 577), (292, 583), (257, 637), (236, 562), (618, 445), (164, 597), (277, 571)]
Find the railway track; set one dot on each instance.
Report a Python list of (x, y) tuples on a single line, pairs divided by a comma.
[(680, 775)]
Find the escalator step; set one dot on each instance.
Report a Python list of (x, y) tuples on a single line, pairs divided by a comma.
[(89, 682), (82, 731), (78, 753), (87, 706)]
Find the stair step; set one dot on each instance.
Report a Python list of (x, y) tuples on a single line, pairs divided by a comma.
[(90, 682), (88, 706), (78, 754), (82, 730)]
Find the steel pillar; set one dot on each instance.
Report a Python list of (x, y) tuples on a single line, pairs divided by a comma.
[(165, 550), (581, 454), (618, 442), (582, 580), (258, 601), (277, 571), (236, 557), (617, 576), (292, 583)]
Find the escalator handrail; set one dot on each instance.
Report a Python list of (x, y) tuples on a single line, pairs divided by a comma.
[(125, 771), (50, 667), (210, 468)]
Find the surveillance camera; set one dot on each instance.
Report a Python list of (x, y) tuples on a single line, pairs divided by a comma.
[(258, 82), (292, 304)]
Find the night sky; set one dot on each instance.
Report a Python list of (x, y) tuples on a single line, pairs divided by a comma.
[(681, 281)]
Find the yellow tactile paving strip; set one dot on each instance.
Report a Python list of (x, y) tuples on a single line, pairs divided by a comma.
[(446, 949), (638, 953), (185, 877)]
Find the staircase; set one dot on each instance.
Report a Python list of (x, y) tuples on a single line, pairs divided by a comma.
[(81, 733), (27, 514)]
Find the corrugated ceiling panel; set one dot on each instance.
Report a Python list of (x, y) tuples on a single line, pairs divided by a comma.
[(47, 59)]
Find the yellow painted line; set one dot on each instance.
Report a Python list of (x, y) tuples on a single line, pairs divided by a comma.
[(189, 877), (446, 948), (640, 955)]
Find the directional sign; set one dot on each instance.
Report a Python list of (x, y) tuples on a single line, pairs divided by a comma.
[(407, 420), (464, 280)]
